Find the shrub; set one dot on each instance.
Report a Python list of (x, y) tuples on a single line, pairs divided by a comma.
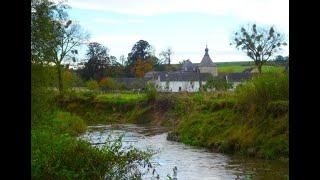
[(42, 101), (278, 107), (262, 89), (70, 79), (217, 84), (151, 91), (60, 156), (69, 123), (92, 85), (108, 84)]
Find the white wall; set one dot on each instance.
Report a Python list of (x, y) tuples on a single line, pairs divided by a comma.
[(190, 86), (185, 86)]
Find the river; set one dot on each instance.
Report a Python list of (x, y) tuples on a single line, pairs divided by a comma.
[(192, 162)]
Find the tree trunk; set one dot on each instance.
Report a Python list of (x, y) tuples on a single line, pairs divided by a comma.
[(260, 68), (60, 84)]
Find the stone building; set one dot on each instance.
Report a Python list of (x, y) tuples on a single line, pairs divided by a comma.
[(191, 77), (207, 66)]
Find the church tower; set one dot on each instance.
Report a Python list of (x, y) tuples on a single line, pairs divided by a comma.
[(206, 65)]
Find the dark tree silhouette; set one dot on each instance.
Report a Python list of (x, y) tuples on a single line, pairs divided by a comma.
[(98, 61), (259, 43), (141, 50)]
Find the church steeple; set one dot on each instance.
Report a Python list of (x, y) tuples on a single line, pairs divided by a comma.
[(206, 60), (206, 65), (206, 50)]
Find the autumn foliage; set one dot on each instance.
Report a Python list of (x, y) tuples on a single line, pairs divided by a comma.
[(141, 67), (107, 83), (103, 81)]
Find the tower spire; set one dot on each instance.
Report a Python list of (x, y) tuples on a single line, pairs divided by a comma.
[(206, 50)]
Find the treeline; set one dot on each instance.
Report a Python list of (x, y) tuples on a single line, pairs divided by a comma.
[(99, 63), (55, 40)]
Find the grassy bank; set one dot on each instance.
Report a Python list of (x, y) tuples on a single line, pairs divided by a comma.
[(57, 153), (252, 121)]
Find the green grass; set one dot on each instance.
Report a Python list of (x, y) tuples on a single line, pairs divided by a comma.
[(232, 69), (251, 121), (121, 98), (272, 69), (242, 63), (240, 68)]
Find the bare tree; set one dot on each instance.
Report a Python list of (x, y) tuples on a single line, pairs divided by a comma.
[(122, 60), (166, 55), (259, 43), (69, 39)]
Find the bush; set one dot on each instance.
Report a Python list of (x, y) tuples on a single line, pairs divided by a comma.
[(218, 104), (70, 79), (69, 123), (108, 84), (42, 101), (259, 91), (60, 156), (217, 84), (151, 91), (92, 85), (278, 107)]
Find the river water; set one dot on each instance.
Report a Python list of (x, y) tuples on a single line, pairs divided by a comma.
[(192, 162)]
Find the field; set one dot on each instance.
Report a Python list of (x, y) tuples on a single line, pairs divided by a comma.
[(235, 67)]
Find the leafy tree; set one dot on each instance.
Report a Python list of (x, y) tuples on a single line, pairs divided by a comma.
[(98, 61), (108, 83), (156, 63), (70, 79), (43, 33), (259, 43), (166, 55), (115, 69), (141, 67), (141, 50), (54, 37), (217, 84), (279, 58), (92, 85)]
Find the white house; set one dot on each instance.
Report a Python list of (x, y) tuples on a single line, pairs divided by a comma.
[(192, 76)]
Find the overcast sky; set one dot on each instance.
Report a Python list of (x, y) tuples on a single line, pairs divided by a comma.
[(184, 25)]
